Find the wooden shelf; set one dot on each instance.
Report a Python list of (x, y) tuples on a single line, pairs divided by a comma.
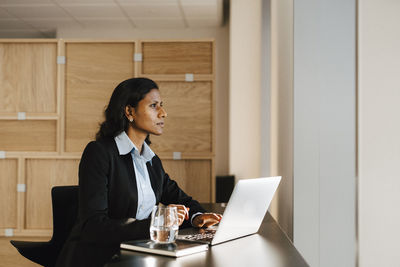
[(28, 135), (29, 116), (179, 77)]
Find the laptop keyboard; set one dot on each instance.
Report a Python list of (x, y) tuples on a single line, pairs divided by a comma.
[(207, 235)]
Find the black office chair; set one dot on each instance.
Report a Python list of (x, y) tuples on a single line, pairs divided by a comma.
[(65, 211)]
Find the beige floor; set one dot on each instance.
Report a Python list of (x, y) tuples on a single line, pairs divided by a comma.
[(9, 256)]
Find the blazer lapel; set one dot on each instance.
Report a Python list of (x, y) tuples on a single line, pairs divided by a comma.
[(128, 162), (154, 180)]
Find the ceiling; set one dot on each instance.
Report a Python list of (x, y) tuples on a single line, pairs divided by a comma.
[(42, 18)]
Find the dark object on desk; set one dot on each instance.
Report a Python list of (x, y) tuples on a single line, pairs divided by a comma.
[(224, 188), (177, 249), (65, 211)]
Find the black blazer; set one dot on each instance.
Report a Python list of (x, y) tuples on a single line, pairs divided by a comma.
[(107, 198)]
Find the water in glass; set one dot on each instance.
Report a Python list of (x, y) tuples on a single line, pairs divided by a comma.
[(164, 224)]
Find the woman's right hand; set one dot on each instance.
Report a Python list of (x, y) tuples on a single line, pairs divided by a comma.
[(183, 212)]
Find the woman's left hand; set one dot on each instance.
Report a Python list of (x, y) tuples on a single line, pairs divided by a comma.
[(206, 220)]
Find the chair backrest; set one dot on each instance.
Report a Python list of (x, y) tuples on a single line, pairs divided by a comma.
[(65, 212)]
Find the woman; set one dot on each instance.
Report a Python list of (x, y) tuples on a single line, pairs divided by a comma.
[(121, 179)]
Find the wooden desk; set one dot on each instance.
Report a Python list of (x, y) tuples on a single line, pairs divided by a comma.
[(270, 247)]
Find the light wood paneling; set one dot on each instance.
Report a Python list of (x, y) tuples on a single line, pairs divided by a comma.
[(177, 57), (93, 70), (28, 135), (193, 176), (188, 127), (8, 193), (42, 175), (67, 102), (9, 255), (28, 77)]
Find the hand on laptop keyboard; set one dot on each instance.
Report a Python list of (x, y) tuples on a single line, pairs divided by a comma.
[(206, 220)]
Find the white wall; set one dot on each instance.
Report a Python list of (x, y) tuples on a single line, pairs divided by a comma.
[(265, 98), (379, 133), (245, 88), (261, 106), (221, 36), (324, 131), (281, 107)]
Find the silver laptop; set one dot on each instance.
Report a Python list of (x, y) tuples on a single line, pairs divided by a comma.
[(243, 215)]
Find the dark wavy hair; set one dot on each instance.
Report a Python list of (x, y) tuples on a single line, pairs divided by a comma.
[(128, 92)]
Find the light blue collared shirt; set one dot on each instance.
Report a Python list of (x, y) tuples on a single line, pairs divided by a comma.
[(146, 197)]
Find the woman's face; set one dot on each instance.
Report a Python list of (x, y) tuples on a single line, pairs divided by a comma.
[(148, 116)]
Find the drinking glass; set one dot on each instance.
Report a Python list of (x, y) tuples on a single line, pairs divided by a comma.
[(164, 224)]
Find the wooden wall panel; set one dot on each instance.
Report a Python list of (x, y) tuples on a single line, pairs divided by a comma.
[(28, 74), (8, 193), (65, 104), (188, 127), (177, 57), (193, 176), (93, 70), (28, 135), (42, 175)]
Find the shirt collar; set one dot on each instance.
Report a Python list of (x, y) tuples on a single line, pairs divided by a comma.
[(125, 146)]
